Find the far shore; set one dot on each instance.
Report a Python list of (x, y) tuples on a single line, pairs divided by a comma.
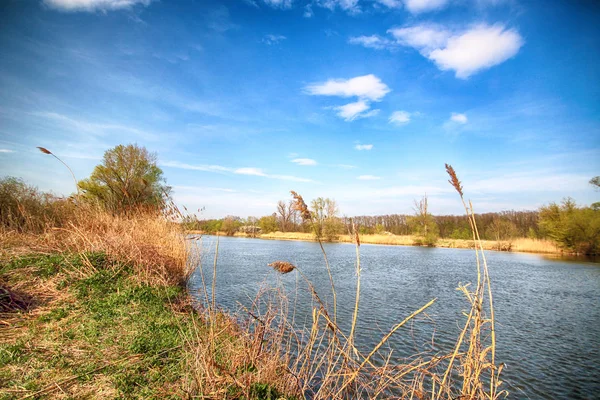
[(521, 245)]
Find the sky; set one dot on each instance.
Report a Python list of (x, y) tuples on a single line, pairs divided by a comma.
[(362, 101)]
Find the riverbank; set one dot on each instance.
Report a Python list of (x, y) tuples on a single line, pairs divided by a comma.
[(95, 305), (85, 326), (521, 245)]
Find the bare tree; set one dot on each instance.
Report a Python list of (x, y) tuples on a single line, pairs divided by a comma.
[(422, 214), (285, 212)]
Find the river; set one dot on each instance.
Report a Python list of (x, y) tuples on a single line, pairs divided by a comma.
[(547, 310)]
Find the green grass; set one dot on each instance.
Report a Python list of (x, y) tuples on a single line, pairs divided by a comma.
[(117, 337), (95, 321)]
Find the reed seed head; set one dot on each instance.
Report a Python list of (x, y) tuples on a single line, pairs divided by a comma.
[(454, 179), (301, 206), (44, 150), (282, 267)]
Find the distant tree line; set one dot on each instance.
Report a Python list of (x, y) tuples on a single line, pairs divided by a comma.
[(575, 229)]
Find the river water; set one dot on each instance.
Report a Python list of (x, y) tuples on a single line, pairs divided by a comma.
[(547, 310)]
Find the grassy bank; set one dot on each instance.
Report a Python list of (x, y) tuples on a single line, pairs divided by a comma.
[(84, 326), (524, 245), (94, 305)]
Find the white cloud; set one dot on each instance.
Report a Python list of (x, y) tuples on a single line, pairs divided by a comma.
[(352, 111), (425, 37), (460, 118), (421, 6), (465, 52), (400, 117), (250, 171), (273, 39), (345, 166), (363, 146), (368, 178), (373, 42), (278, 3), (365, 87), (304, 161), (6, 151), (479, 48), (93, 5)]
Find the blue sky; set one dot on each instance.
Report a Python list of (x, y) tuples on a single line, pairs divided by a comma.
[(361, 101)]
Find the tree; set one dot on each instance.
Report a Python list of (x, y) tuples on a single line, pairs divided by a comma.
[(595, 181), (576, 229), (286, 215), (230, 225), (268, 224), (128, 177), (423, 224), (327, 224), (501, 229)]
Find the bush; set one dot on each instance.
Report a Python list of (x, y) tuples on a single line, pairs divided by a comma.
[(576, 229)]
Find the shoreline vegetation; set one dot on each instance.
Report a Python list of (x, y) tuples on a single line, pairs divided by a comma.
[(521, 245)]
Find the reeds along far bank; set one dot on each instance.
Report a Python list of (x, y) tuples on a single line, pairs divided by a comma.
[(525, 245)]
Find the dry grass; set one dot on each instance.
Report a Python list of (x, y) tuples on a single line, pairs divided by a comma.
[(524, 245), (535, 246), (149, 242)]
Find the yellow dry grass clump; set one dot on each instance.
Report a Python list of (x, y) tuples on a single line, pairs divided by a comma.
[(146, 240)]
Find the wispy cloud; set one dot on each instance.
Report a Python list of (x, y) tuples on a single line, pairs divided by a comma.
[(273, 39), (207, 168), (6, 151), (367, 88), (368, 178), (304, 161), (400, 117), (345, 166), (99, 129), (308, 11), (283, 4), (531, 181), (350, 6), (203, 188), (363, 146), (373, 42), (352, 111), (422, 6), (459, 118), (250, 171), (93, 5)]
